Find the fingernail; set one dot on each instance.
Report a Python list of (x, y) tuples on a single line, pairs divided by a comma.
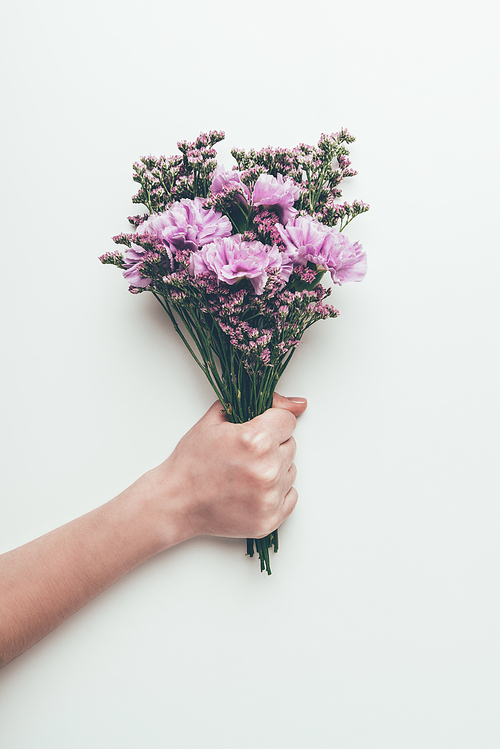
[(294, 399)]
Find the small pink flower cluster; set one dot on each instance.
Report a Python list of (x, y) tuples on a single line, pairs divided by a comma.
[(262, 329)]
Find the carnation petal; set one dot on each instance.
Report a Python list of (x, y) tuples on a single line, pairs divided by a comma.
[(133, 258), (187, 225), (276, 192), (224, 179), (230, 260), (353, 267)]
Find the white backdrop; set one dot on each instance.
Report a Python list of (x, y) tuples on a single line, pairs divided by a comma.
[(379, 626)]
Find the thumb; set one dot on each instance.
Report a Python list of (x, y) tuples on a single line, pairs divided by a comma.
[(296, 405)]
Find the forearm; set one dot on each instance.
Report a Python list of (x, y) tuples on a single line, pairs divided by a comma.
[(45, 581)]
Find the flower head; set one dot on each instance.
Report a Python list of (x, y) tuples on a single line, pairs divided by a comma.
[(276, 192), (351, 263), (224, 179), (132, 262), (308, 241), (187, 225), (230, 260)]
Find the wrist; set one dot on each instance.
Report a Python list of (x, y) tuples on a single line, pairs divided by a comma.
[(159, 502)]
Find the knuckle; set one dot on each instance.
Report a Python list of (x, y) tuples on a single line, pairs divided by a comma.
[(266, 515), (257, 441), (268, 474), (269, 503)]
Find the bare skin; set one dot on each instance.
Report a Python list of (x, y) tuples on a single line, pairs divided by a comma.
[(222, 479)]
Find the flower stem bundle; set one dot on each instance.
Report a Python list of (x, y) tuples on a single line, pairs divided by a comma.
[(235, 258)]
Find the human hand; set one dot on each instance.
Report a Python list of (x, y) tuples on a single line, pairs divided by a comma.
[(222, 479), (233, 479)]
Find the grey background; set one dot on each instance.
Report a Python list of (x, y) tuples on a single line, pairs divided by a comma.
[(379, 625)]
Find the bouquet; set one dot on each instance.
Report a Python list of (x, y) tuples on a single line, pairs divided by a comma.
[(236, 257)]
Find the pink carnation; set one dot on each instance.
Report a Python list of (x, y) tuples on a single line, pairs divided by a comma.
[(224, 180), (133, 258), (276, 192), (187, 225), (351, 264), (231, 260), (307, 240)]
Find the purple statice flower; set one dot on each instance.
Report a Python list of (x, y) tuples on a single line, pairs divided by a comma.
[(225, 180), (132, 262), (306, 274), (278, 193), (187, 225), (230, 260), (265, 223), (308, 241)]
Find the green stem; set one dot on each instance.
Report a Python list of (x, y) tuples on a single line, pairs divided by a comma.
[(169, 312), (243, 395), (318, 186)]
